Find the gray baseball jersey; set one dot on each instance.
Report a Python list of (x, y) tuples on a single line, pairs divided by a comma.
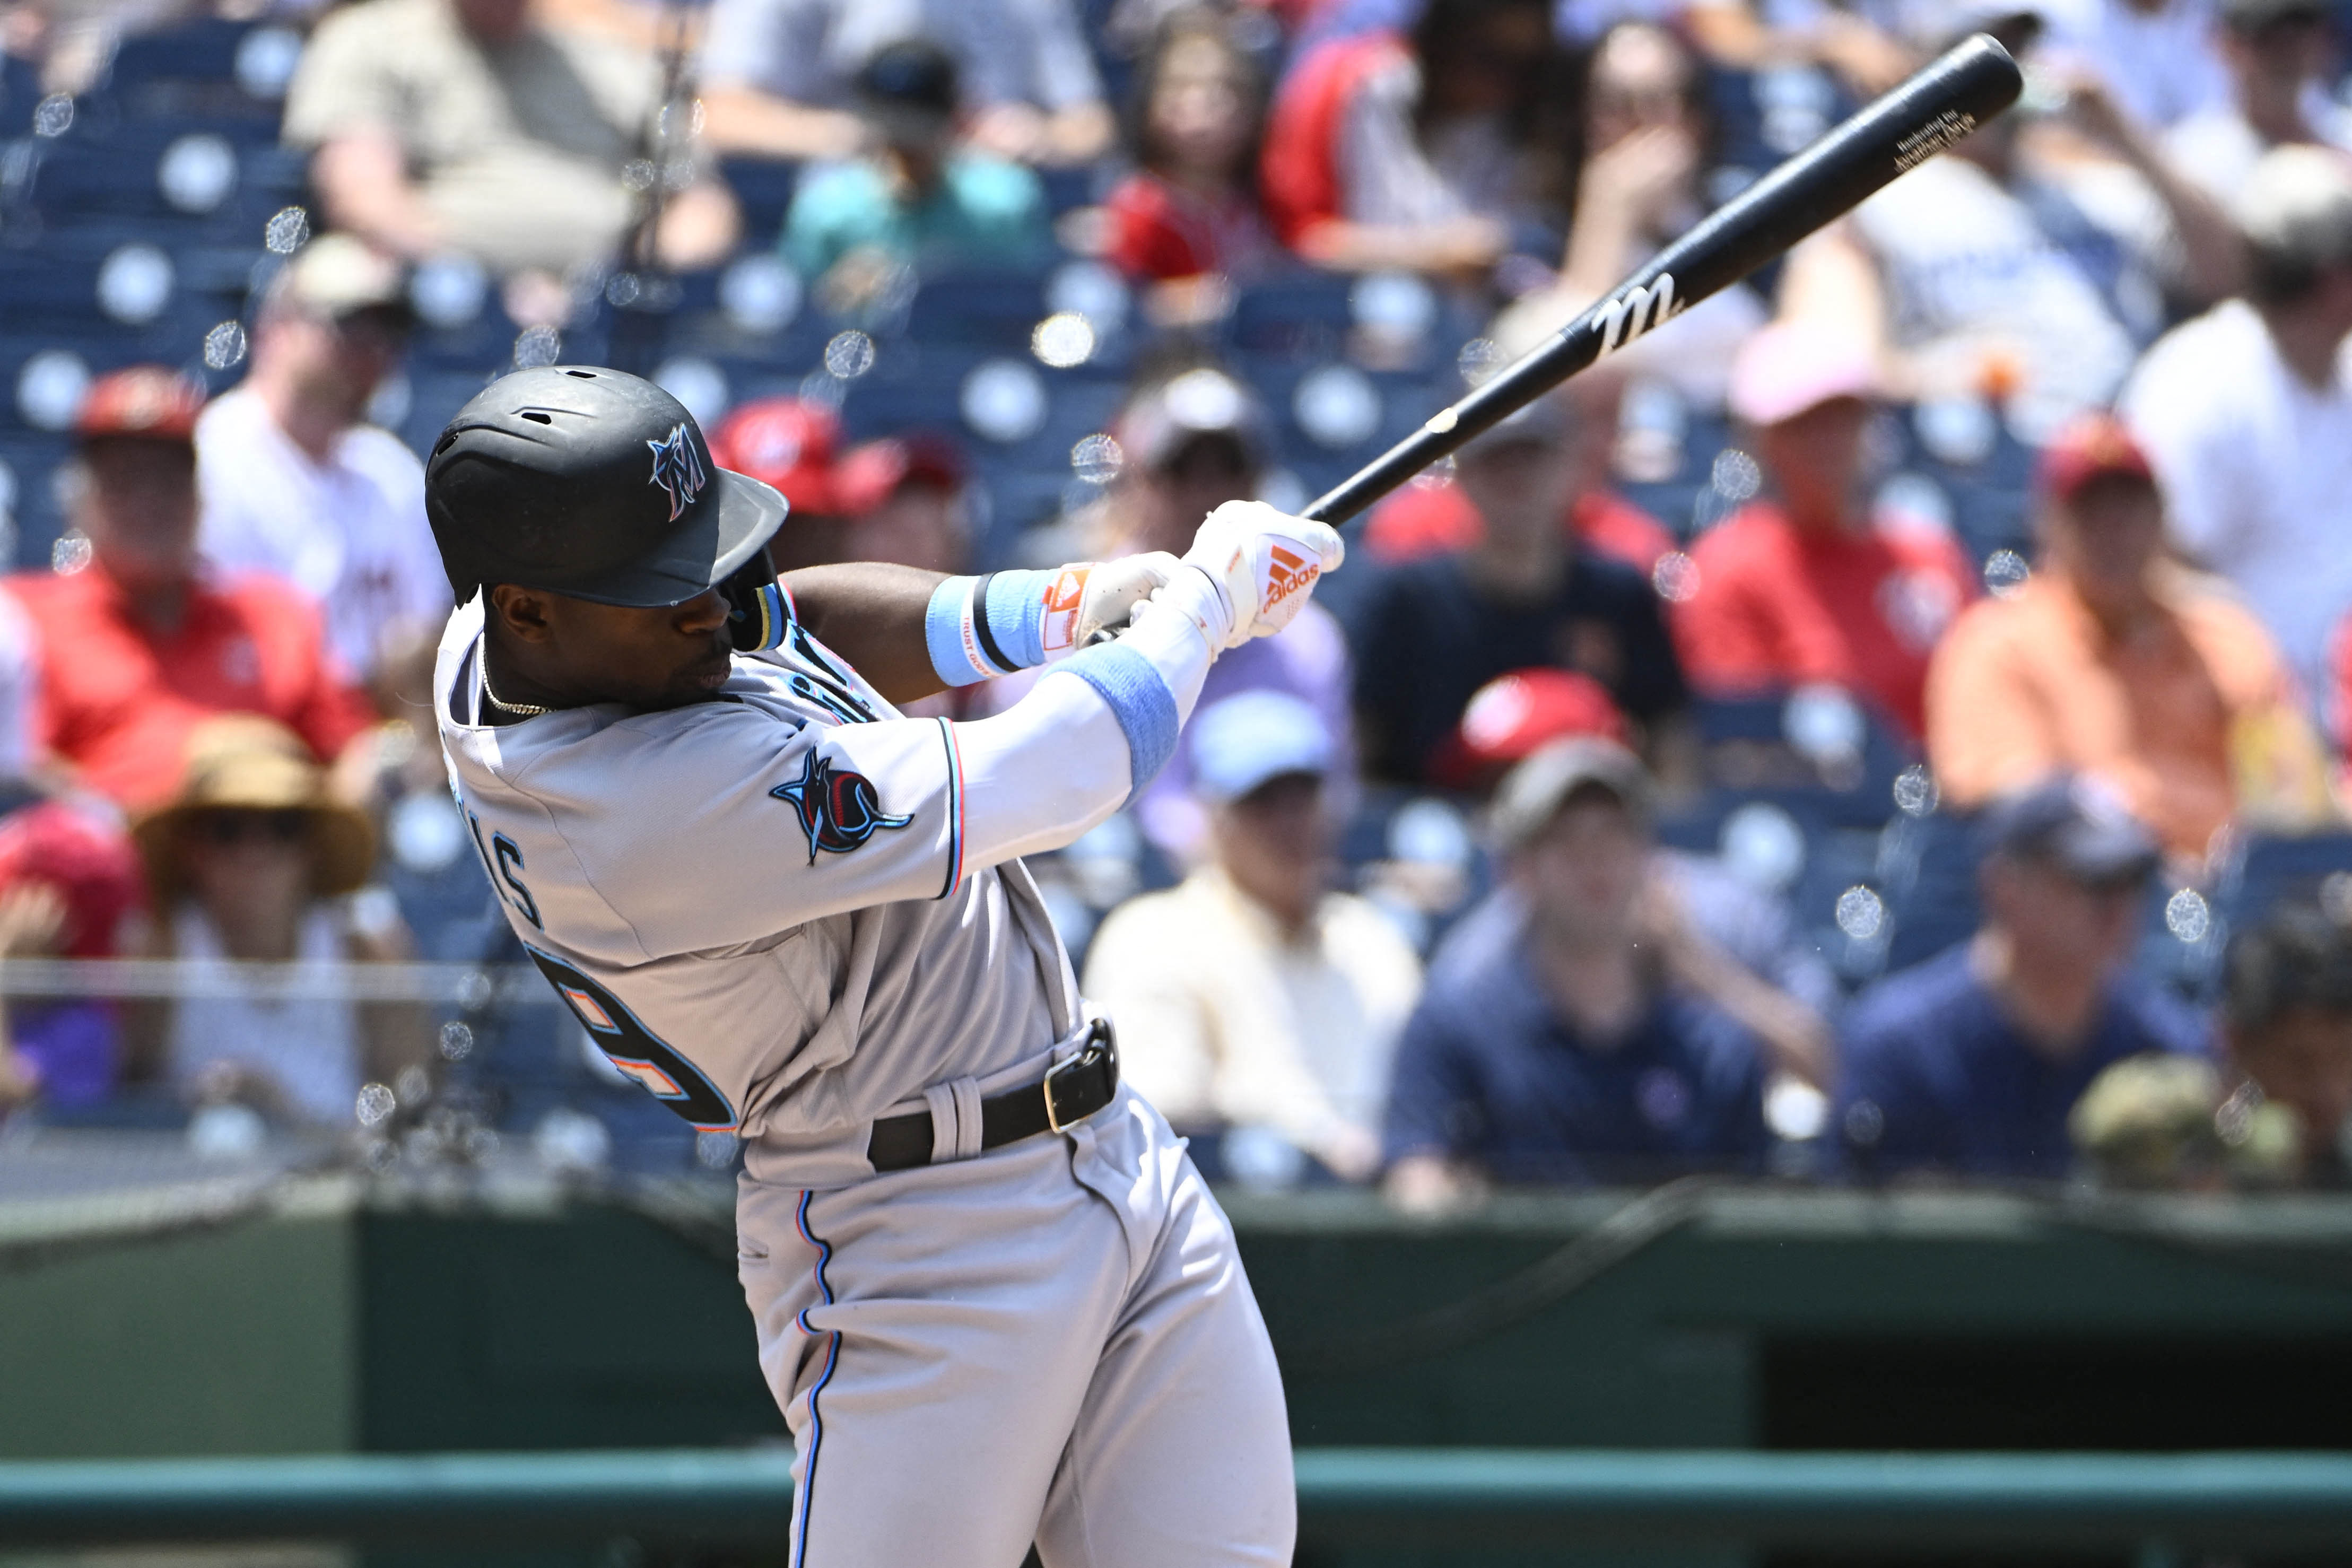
[(764, 907), (791, 910)]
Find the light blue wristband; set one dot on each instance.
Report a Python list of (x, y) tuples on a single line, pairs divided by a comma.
[(1014, 605), (1138, 698), (977, 628)]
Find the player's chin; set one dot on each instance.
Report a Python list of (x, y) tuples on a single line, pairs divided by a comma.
[(699, 681)]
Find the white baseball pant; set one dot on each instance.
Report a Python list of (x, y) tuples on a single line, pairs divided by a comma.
[(1052, 1342)]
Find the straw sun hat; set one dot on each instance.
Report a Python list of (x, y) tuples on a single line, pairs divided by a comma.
[(249, 763)]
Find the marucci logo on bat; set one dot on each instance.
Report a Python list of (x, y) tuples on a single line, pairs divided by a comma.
[(1635, 311)]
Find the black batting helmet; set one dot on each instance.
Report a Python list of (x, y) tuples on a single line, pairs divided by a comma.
[(591, 483)]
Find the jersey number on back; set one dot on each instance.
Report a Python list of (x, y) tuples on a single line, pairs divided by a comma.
[(634, 1048), (502, 867)]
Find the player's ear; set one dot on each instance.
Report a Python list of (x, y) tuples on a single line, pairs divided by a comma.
[(523, 610)]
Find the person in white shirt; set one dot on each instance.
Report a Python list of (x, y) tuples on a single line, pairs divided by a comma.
[(1998, 269), (2246, 413), (254, 862), (295, 483), (1252, 1000), (2281, 55)]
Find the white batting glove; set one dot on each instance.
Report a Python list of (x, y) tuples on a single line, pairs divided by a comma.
[(1260, 563), (1087, 599)]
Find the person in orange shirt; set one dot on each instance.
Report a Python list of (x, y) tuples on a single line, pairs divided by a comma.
[(1804, 587), (138, 644), (2113, 661)]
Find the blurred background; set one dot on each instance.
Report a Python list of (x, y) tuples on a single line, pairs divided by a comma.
[(1792, 897)]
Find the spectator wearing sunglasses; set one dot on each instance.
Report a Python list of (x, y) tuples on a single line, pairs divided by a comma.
[(252, 861)]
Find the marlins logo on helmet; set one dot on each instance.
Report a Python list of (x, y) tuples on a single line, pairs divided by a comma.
[(677, 468)]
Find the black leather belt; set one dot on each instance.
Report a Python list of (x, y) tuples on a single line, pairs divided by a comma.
[(1075, 1090)]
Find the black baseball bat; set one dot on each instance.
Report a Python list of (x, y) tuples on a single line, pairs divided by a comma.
[(1947, 98)]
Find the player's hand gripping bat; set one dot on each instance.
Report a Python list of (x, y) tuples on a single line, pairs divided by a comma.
[(1949, 98)]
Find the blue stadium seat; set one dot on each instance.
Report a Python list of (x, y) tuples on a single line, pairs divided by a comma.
[(1073, 187), (1675, 500), (33, 461), (992, 309), (793, 352), (1990, 499), (2267, 869), (1738, 122), (1930, 886), (1755, 730), (478, 347), (1297, 317), (763, 191), (187, 72)]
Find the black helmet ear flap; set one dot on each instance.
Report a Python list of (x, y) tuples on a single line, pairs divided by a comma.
[(757, 615)]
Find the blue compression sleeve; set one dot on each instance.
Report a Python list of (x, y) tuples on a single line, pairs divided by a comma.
[(1139, 697)]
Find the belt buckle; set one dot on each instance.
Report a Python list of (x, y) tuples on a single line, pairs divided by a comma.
[(1100, 1047)]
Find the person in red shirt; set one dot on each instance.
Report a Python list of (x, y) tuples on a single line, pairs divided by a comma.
[(1803, 586), (139, 644), (1187, 221)]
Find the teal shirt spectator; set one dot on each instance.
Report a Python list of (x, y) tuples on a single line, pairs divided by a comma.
[(985, 213)]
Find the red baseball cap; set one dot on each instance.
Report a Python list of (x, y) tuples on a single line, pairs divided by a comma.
[(1516, 715), (146, 401), (2091, 447), (787, 443), (87, 860), (870, 475)]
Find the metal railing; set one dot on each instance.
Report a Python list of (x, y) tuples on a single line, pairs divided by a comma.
[(460, 984), (2151, 1504)]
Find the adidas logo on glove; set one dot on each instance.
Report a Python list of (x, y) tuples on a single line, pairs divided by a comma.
[(1291, 573)]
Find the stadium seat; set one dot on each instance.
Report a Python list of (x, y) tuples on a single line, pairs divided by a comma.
[(32, 463), (987, 310), (764, 191), (1295, 317), (1929, 868), (2267, 869), (1752, 743), (206, 70)]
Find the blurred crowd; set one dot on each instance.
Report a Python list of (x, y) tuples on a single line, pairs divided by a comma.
[(1561, 840)]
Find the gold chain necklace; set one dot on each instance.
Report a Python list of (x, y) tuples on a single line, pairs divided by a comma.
[(527, 710)]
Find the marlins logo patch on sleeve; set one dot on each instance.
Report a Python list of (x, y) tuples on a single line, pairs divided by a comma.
[(837, 809)]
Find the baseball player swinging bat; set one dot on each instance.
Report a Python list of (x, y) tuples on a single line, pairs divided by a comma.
[(1969, 84), (993, 1297)]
